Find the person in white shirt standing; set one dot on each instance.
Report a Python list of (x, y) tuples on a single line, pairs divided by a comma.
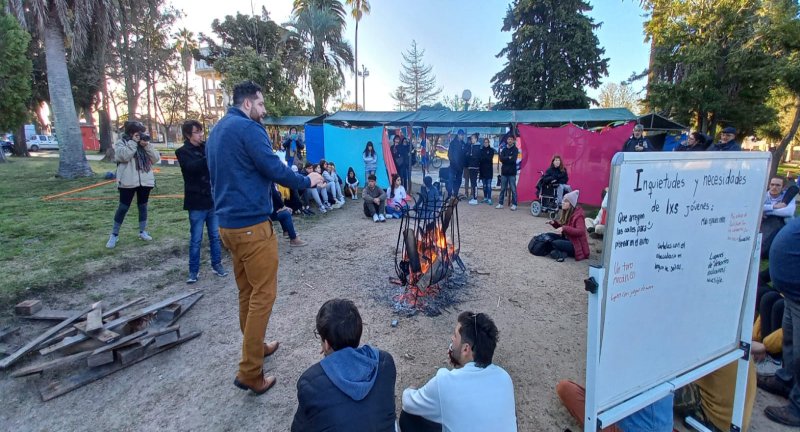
[(474, 396)]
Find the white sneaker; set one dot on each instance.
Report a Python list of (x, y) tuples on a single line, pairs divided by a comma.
[(322, 210), (112, 241), (473, 202), (375, 218), (338, 205), (145, 236), (513, 207), (499, 206), (381, 218)]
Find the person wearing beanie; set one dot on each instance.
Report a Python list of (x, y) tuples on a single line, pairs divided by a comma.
[(455, 154), (637, 142), (571, 226), (135, 158), (727, 141), (785, 274)]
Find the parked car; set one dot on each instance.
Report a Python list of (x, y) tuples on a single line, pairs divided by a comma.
[(42, 142), (8, 146)]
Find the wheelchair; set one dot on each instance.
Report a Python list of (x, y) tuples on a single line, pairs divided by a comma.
[(547, 201)]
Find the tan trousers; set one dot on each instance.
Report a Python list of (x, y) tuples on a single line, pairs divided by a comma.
[(255, 265), (573, 397)]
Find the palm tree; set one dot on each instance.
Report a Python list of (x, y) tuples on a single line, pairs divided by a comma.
[(185, 44), (61, 22), (359, 8), (319, 31)]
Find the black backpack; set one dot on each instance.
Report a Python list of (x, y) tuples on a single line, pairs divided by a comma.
[(542, 244)]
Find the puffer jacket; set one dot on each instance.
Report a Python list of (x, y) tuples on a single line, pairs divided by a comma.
[(487, 158), (575, 231), (128, 177)]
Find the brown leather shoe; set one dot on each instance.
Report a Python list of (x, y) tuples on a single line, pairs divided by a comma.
[(258, 386), (270, 348)]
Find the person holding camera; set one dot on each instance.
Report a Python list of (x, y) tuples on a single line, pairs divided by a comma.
[(197, 200), (135, 157)]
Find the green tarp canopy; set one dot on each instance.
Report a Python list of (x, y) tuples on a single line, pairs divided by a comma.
[(655, 122)]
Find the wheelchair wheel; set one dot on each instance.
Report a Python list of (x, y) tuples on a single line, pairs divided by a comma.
[(436, 162), (536, 208)]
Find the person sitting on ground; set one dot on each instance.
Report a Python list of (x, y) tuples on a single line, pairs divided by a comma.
[(374, 200), (316, 192), (292, 145), (777, 210), (397, 203), (656, 417), (487, 169), (785, 274), (572, 228), (351, 184), (339, 183), (474, 166), (474, 396), (637, 142), (351, 388), (300, 159), (555, 177), (335, 195), (597, 226), (767, 328), (283, 215), (694, 142), (727, 141)]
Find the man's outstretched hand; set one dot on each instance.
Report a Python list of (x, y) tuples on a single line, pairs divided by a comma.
[(316, 179)]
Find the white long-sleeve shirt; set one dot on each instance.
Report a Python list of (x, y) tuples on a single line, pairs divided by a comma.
[(785, 212), (466, 399)]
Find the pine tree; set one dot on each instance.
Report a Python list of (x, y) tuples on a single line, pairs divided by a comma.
[(553, 55), (417, 79)]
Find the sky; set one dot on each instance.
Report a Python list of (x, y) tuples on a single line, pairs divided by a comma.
[(461, 40)]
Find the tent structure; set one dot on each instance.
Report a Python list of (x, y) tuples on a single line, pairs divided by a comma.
[(656, 122)]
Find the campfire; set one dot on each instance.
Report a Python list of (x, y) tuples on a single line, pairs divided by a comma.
[(427, 250)]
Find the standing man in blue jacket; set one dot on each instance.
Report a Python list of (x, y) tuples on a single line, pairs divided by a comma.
[(243, 169), (455, 154)]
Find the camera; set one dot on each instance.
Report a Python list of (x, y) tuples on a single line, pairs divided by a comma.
[(144, 137)]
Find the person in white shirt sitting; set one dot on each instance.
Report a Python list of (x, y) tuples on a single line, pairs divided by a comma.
[(474, 396)]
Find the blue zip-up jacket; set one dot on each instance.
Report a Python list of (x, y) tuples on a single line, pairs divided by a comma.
[(732, 145), (243, 169)]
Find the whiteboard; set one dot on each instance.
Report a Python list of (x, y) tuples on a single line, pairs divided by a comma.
[(680, 236)]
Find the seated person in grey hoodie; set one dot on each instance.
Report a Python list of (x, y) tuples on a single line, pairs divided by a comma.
[(374, 200), (351, 388)]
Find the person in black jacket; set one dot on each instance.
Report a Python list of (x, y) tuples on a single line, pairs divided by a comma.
[(351, 388), (402, 160), (695, 142), (508, 172), (637, 142), (198, 201), (555, 177), (486, 170), (455, 154), (473, 158)]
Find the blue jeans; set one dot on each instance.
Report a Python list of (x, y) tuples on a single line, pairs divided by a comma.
[(510, 183), (285, 219), (198, 218), (487, 188)]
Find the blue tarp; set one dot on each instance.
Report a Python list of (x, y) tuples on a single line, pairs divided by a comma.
[(345, 148), (315, 143)]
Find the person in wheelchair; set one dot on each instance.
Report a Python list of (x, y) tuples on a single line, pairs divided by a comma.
[(555, 177)]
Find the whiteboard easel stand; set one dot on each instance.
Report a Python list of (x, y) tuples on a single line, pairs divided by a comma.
[(595, 421)]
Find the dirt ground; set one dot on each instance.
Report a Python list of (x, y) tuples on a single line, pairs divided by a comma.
[(539, 306)]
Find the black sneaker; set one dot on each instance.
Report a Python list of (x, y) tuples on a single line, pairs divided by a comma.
[(773, 384), (787, 415)]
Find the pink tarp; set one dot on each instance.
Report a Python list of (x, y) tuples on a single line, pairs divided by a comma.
[(586, 155)]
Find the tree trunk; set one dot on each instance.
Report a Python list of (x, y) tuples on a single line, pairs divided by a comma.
[(72, 161), (20, 146), (105, 119), (780, 151), (356, 65)]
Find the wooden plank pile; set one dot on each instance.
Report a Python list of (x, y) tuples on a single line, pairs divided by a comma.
[(97, 341)]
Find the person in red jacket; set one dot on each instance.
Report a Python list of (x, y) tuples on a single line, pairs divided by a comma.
[(572, 228)]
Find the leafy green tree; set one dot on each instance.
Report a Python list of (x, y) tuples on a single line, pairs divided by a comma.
[(318, 26), (455, 103), (613, 95), (359, 8), (712, 63), (417, 78), (62, 23), (552, 57), (16, 71)]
